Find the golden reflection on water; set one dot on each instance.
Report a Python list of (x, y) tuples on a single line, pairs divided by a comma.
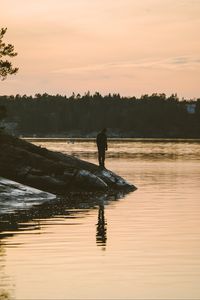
[(150, 238)]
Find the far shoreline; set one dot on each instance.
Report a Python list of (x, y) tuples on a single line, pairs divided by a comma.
[(111, 139)]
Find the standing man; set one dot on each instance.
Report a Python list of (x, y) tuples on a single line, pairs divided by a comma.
[(101, 141)]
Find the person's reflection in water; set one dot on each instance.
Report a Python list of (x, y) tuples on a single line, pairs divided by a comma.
[(101, 236)]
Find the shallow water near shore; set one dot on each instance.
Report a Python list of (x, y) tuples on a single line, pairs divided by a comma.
[(145, 245)]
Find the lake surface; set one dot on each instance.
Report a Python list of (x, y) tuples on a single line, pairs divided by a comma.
[(145, 245)]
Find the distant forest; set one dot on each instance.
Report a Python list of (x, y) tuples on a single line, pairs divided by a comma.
[(83, 115)]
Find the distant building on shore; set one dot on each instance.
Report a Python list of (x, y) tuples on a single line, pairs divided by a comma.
[(191, 108)]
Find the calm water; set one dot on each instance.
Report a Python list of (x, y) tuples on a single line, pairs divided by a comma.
[(143, 246)]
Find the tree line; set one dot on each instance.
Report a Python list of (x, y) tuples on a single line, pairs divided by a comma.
[(153, 115)]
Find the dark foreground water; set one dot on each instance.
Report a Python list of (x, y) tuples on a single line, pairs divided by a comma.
[(143, 246)]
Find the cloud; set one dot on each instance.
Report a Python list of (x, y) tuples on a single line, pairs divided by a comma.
[(182, 62)]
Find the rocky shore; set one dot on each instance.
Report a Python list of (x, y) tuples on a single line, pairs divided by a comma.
[(51, 172), (16, 197)]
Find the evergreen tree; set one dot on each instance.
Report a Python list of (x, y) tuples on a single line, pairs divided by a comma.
[(6, 67)]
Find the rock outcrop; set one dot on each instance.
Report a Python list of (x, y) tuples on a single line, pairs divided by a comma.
[(53, 172), (15, 196)]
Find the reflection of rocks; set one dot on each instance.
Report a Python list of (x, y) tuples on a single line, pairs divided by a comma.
[(53, 171), (4, 295), (5, 290)]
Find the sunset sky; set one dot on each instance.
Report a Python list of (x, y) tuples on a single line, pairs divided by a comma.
[(129, 47)]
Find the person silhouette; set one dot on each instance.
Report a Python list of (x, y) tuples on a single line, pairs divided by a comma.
[(102, 146)]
